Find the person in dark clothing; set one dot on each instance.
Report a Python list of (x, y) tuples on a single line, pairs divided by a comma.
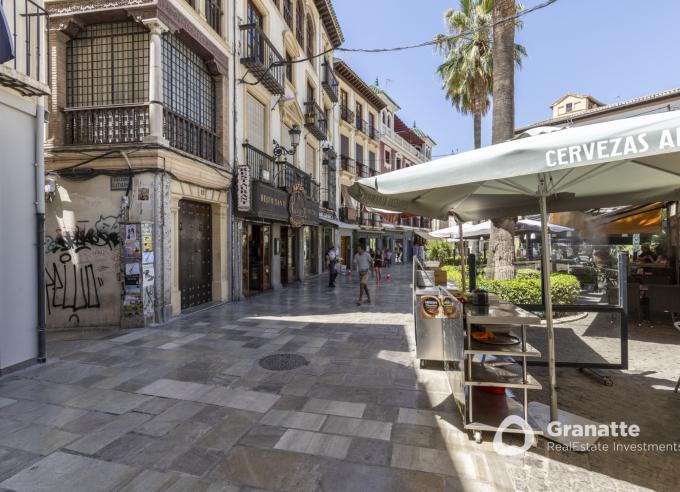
[(332, 262)]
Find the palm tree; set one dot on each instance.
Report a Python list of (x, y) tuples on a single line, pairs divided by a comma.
[(501, 250), (467, 72)]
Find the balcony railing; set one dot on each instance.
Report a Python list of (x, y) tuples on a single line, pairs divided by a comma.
[(373, 172), (373, 133), (106, 125), (347, 114), (359, 123), (348, 215), (213, 14), (328, 198), (362, 170), (386, 131), (329, 81), (262, 59), (288, 175), (27, 22), (315, 120), (261, 165), (188, 136), (347, 164)]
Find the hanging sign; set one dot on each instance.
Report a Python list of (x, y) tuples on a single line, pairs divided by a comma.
[(243, 188)]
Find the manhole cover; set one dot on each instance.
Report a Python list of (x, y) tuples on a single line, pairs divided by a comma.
[(283, 362)]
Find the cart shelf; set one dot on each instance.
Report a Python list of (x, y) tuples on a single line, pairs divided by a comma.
[(491, 410), (476, 347), (501, 374)]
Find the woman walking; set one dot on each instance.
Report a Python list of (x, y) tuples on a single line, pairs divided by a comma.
[(378, 262), (362, 263)]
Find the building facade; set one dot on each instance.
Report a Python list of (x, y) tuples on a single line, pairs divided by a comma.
[(138, 148), (23, 87), (373, 140), (286, 187)]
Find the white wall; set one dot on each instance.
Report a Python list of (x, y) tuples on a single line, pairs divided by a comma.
[(18, 269)]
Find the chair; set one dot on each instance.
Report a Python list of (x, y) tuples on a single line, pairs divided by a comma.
[(663, 300)]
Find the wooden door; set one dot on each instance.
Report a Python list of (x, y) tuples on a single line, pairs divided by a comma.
[(195, 253)]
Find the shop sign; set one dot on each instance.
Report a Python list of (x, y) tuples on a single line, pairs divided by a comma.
[(270, 203), (311, 212), (296, 205), (243, 188)]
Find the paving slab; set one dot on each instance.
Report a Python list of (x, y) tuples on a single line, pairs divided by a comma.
[(373, 429), (62, 472), (314, 443), (179, 390), (38, 439), (331, 407), (293, 419), (108, 433)]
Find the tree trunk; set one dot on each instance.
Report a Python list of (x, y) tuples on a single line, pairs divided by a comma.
[(503, 72), (478, 130), (501, 250)]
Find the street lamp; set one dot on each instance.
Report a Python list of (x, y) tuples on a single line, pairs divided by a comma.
[(280, 152)]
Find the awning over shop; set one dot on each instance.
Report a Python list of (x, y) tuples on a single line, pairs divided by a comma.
[(645, 219), (339, 224)]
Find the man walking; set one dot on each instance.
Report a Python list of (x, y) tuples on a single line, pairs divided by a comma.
[(362, 263), (332, 261)]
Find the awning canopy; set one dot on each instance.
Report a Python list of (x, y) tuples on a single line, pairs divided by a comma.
[(339, 224), (644, 219), (484, 229), (621, 162)]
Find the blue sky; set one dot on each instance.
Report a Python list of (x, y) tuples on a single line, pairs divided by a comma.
[(611, 49)]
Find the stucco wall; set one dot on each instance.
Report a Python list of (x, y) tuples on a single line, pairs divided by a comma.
[(18, 268)]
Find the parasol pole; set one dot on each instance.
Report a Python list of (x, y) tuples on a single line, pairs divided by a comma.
[(461, 249), (547, 296)]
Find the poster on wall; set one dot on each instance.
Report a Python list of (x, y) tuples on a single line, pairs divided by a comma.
[(243, 188), (132, 305)]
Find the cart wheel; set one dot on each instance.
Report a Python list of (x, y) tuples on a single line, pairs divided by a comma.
[(607, 381), (477, 436)]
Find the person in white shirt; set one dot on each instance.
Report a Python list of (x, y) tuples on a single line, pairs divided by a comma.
[(332, 261), (362, 264)]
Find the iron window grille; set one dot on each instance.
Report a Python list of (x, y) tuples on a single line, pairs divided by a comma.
[(189, 99), (107, 84), (213, 14)]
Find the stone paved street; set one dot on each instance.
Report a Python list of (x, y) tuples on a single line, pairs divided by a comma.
[(187, 407)]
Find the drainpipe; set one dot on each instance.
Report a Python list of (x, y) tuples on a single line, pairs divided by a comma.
[(235, 241), (40, 223)]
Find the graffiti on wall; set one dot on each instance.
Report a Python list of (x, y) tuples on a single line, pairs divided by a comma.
[(103, 234), (81, 259), (71, 287)]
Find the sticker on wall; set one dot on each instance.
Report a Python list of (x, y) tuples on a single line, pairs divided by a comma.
[(148, 274), (429, 306), (147, 257), (132, 269), (132, 305), (130, 232), (143, 194), (147, 243)]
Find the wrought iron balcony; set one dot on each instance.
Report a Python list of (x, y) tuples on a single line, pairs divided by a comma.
[(315, 120), (362, 170), (373, 172), (288, 13), (372, 132), (261, 164), (262, 59), (329, 82), (188, 136), (106, 125), (348, 164), (346, 114), (328, 198), (359, 123), (213, 14), (27, 23), (348, 215), (288, 175)]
